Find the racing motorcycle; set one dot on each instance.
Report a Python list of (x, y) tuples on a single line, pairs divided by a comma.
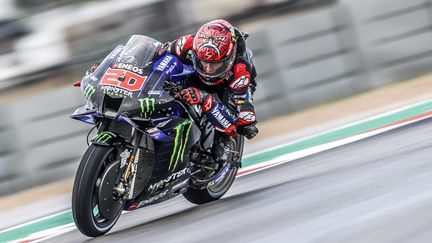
[(150, 146)]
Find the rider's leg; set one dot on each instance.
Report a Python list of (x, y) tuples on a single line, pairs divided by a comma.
[(222, 147)]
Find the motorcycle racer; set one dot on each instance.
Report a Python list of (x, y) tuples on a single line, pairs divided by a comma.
[(225, 82)]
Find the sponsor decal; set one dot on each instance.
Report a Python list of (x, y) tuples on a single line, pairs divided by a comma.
[(220, 118), (180, 185), (240, 96), (172, 67), (189, 55), (154, 92), (248, 116), (130, 67), (89, 91), (123, 79), (180, 142), (163, 64), (207, 105), (147, 106), (104, 137), (222, 175), (240, 99), (241, 82), (168, 180), (152, 199), (180, 44), (154, 132), (239, 102), (116, 91), (163, 194), (124, 156)]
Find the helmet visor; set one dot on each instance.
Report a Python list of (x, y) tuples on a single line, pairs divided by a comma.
[(211, 70)]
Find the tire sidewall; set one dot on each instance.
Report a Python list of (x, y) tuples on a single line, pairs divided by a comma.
[(83, 191)]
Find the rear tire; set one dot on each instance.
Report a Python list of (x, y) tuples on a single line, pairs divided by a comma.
[(217, 190), (91, 179)]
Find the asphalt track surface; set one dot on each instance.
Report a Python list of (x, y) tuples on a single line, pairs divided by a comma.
[(375, 190)]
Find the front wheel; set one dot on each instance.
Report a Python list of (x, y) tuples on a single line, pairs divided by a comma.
[(217, 188), (94, 207)]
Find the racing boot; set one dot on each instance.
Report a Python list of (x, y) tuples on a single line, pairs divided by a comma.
[(249, 131), (221, 149)]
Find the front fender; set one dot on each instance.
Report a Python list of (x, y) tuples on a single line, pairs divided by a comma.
[(107, 138)]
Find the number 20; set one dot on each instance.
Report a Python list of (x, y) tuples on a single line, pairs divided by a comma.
[(131, 82)]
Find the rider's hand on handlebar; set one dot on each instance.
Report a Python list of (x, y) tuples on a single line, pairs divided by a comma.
[(195, 96)]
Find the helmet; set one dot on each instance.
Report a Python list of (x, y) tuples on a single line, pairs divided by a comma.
[(214, 51)]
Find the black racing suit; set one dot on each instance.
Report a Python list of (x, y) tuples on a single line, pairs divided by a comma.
[(233, 109)]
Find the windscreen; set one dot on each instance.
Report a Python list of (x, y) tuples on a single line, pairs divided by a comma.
[(131, 78), (140, 50)]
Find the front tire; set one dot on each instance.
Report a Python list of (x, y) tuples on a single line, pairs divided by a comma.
[(94, 177), (214, 191)]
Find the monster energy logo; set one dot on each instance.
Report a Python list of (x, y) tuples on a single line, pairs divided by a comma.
[(147, 106), (89, 91), (103, 137), (180, 142)]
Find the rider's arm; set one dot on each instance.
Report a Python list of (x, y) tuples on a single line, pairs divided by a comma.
[(241, 90), (181, 48), (222, 118), (239, 110)]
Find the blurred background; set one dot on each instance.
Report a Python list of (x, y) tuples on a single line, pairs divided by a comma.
[(306, 52)]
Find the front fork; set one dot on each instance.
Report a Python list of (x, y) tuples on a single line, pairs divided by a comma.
[(127, 173), (125, 179)]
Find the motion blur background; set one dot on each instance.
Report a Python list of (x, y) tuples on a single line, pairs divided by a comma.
[(306, 52)]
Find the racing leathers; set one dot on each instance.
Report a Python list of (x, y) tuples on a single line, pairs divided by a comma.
[(228, 104)]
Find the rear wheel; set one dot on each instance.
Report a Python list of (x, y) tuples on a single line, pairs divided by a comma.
[(218, 187), (95, 209)]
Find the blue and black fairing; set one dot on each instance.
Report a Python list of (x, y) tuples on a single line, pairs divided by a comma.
[(88, 86), (141, 56)]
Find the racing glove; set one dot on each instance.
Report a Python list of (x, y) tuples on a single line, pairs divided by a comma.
[(196, 96)]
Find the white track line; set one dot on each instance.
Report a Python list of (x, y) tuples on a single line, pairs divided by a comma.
[(316, 149), (342, 127)]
